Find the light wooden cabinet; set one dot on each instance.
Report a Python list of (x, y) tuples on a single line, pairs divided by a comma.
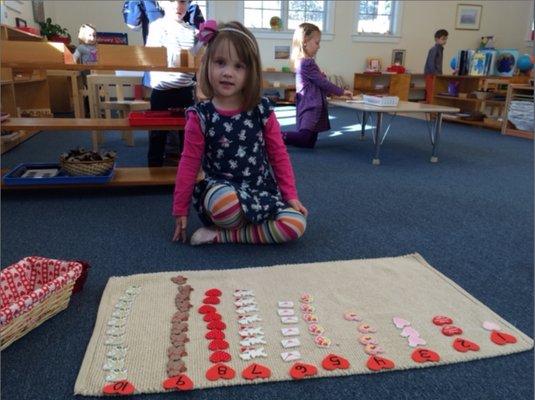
[(518, 93), (377, 83)]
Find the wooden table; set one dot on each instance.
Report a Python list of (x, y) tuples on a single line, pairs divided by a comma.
[(402, 107)]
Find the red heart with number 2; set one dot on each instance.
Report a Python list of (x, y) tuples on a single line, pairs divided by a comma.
[(302, 370), (332, 362), (178, 382), (119, 387), (220, 371), (255, 371)]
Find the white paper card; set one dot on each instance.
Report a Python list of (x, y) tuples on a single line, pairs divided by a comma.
[(289, 343), (291, 355), (285, 312), (286, 304), (289, 320), (290, 331)]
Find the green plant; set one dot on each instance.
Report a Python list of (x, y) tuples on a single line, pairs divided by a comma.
[(49, 29)]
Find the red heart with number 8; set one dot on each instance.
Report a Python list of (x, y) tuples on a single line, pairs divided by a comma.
[(502, 338), (256, 371), (332, 362), (120, 387), (376, 363), (220, 371), (464, 345), (302, 370), (425, 355), (178, 382)]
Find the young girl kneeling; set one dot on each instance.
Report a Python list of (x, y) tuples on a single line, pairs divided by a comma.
[(248, 194)]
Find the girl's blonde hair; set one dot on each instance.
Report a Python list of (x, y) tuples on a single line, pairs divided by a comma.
[(247, 50), (83, 32), (301, 35)]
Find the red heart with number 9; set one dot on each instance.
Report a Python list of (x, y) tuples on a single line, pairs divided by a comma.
[(220, 371), (302, 370), (332, 362), (120, 387), (256, 371), (179, 382)]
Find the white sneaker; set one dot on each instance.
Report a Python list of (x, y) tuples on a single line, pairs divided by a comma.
[(203, 236)]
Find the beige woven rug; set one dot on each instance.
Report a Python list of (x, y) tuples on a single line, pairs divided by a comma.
[(378, 290)]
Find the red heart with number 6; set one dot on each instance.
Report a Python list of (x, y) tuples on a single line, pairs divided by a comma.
[(464, 345), (220, 371), (256, 371), (332, 362), (178, 382), (302, 370), (502, 338), (425, 355), (120, 387), (376, 363)]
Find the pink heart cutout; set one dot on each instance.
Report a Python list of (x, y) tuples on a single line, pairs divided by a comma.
[(491, 326), (415, 341), (400, 323)]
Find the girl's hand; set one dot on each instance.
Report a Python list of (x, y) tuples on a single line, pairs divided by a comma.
[(296, 205), (180, 229), (348, 93)]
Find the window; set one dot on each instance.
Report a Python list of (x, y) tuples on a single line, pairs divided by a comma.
[(378, 18), (203, 6)]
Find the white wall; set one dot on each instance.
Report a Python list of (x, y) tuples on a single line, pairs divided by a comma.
[(507, 20), (8, 15)]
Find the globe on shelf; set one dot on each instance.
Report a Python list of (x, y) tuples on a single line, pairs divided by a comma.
[(524, 63), (275, 23), (453, 63)]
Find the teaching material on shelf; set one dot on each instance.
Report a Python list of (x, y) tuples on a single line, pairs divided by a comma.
[(155, 118), (383, 101), (19, 176), (519, 112)]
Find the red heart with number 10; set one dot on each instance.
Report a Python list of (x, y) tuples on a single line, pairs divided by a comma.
[(220, 371), (178, 382), (332, 362), (255, 371), (120, 387), (302, 370)]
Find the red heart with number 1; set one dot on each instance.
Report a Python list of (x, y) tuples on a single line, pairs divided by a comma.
[(178, 382), (302, 370)]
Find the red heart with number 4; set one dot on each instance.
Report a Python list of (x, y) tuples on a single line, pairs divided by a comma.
[(213, 292), (332, 362), (425, 355), (215, 334), (220, 356), (464, 345), (256, 371), (302, 370), (220, 371), (218, 344), (502, 338), (376, 363), (206, 309), (178, 382), (120, 387)]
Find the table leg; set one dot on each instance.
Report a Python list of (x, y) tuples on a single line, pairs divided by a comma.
[(436, 136), (363, 125), (377, 138)]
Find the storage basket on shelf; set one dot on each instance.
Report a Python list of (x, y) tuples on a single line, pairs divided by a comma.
[(31, 291), (80, 162)]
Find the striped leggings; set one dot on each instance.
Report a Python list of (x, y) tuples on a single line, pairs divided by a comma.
[(223, 208)]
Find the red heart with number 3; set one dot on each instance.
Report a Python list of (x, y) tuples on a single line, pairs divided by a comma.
[(302, 370), (220, 371), (502, 338), (376, 363), (464, 345), (120, 387), (425, 355), (178, 382), (332, 362), (256, 371)]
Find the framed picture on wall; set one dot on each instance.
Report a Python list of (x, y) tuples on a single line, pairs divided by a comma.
[(398, 57), (38, 8), (282, 52), (468, 16), (20, 23)]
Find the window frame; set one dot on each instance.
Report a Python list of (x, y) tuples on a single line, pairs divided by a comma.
[(209, 9), (395, 22)]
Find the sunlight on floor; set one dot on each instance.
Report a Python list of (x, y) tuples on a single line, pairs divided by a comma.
[(349, 129)]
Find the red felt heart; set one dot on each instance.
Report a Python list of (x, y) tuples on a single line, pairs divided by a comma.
[(256, 371), (212, 316), (220, 356), (178, 382), (301, 370), (217, 324), (215, 334), (332, 362), (502, 338), (220, 371), (206, 309), (450, 330), (464, 345), (213, 292), (376, 363), (442, 320), (123, 387), (218, 344), (425, 355), (211, 300)]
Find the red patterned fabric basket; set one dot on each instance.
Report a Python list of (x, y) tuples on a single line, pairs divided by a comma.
[(33, 290)]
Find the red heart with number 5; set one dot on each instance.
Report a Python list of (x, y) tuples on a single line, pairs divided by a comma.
[(332, 362), (120, 387), (464, 345), (302, 370), (220, 371), (425, 355), (376, 363), (178, 382), (256, 371), (502, 338)]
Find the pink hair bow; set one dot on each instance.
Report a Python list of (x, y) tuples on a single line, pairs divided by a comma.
[(207, 31)]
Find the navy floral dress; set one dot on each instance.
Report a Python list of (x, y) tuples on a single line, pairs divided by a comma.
[(235, 154)]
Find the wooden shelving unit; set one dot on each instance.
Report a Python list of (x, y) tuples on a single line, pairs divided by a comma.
[(377, 83), (519, 93)]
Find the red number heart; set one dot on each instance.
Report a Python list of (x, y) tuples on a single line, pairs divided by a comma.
[(450, 330), (256, 371), (213, 292), (332, 362), (302, 370), (212, 316), (206, 309), (220, 371), (217, 324), (215, 334), (442, 320), (464, 345), (218, 344), (211, 300), (425, 355), (376, 363), (178, 382), (123, 388), (220, 356), (502, 338)]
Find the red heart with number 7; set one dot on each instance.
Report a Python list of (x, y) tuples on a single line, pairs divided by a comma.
[(302, 370), (502, 338), (256, 371), (220, 371), (332, 362), (178, 382), (376, 363), (120, 387)]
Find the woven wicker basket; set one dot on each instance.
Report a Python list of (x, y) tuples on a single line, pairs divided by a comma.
[(85, 168)]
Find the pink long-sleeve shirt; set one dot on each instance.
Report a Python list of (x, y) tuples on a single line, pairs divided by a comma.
[(190, 161)]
